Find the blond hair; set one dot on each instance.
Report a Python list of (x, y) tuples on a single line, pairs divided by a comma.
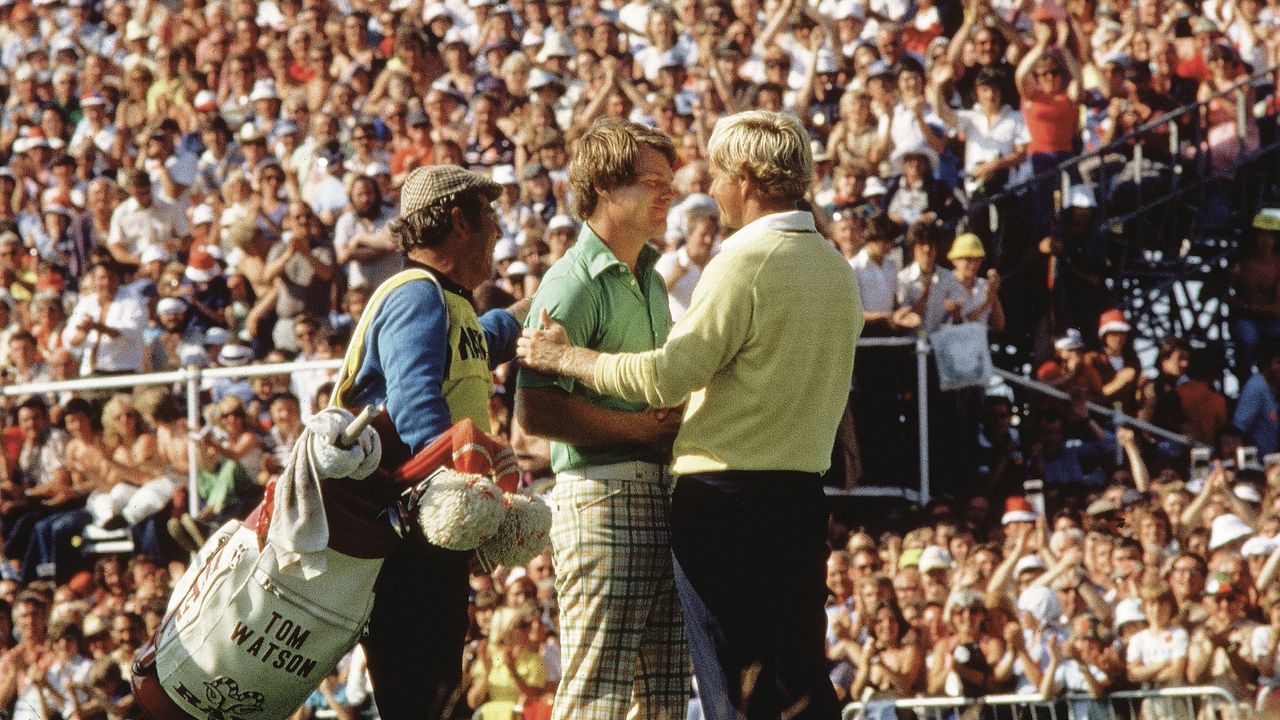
[(605, 158), (771, 148), (113, 420)]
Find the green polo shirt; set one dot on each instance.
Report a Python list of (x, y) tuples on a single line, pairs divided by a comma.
[(603, 307)]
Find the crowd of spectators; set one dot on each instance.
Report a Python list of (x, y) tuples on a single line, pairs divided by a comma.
[(210, 182)]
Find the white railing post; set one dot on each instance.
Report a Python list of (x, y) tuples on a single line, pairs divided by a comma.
[(193, 427), (922, 401), (1242, 118)]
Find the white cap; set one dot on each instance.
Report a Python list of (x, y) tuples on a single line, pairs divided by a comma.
[(934, 558), (1128, 611), (517, 268), (435, 10), (1227, 528), (1247, 493), (376, 168), (234, 355), (505, 250), (873, 187), (201, 214), (1070, 340), (825, 62), (205, 99), (264, 89), (1081, 196), (504, 175), (561, 222), (539, 78), (846, 9), (1258, 546), (217, 336), (155, 252), (171, 305), (1030, 562), (455, 36), (193, 355), (250, 133), (555, 45)]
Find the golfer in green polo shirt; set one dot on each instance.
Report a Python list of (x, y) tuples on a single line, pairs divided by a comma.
[(622, 638)]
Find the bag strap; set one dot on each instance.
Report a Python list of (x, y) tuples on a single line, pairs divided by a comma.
[(354, 356)]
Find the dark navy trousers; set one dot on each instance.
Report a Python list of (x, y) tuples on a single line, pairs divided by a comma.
[(750, 567)]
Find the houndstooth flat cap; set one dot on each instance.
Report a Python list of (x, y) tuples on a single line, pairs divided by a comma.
[(427, 186)]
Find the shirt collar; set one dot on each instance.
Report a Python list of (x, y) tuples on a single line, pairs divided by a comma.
[(598, 257), (785, 221)]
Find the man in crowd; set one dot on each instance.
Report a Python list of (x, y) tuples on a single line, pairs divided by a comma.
[(748, 519)]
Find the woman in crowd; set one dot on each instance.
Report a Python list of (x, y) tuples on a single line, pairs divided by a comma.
[(962, 664), (890, 666), (508, 672)]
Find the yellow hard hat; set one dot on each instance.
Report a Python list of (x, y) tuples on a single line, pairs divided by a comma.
[(967, 245), (1267, 219)]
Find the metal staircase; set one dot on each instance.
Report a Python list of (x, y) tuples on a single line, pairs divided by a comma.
[(1171, 230)]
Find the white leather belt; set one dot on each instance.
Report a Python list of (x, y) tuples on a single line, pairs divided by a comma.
[(624, 471)]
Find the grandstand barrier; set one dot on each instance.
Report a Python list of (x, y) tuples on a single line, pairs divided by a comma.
[(193, 377), (921, 494), (1179, 144), (1181, 703)]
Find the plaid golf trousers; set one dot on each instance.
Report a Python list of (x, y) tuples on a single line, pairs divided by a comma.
[(621, 630)]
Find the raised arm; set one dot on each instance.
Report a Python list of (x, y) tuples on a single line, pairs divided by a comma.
[(775, 24)]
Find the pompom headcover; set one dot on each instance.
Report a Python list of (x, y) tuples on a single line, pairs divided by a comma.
[(458, 511), (524, 532)]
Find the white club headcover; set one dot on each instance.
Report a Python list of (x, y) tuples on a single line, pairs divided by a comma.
[(356, 462), (460, 511), (524, 532)]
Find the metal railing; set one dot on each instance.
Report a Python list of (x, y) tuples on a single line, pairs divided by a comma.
[(1133, 140), (921, 348), (1182, 703), (191, 377)]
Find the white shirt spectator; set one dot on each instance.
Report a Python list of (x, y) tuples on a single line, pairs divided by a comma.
[(943, 287), (366, 272), (680, 294), (974, 300), (877, 283), (57, 694), (988, 139), (1149, 647), (136, 228), (1259, 644), (904, 128), (326, 194), (183, 169), (100, 352)]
